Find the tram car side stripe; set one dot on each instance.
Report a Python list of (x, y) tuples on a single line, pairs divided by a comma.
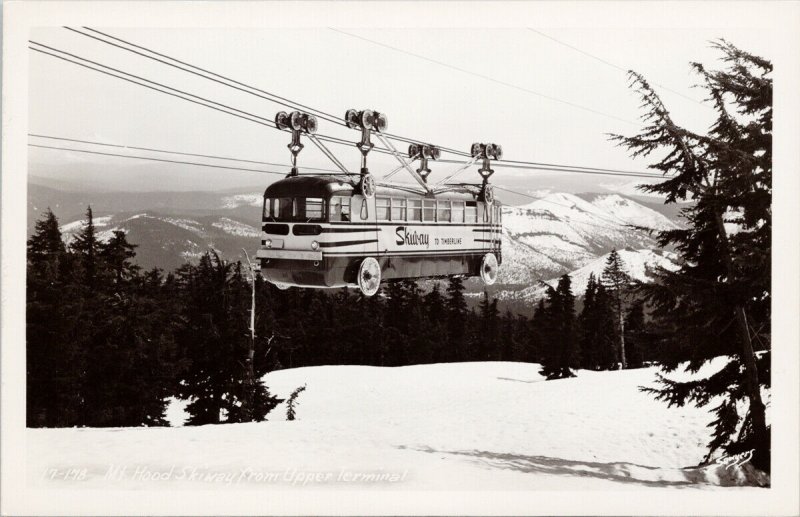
[(346, 243)]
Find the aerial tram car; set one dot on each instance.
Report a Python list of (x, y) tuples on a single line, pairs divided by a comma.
[(351, 230)]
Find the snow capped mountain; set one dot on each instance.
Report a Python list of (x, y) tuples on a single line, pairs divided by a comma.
[(562, 232), (167, 241), (634, 213), (232, 227), (238, 200)]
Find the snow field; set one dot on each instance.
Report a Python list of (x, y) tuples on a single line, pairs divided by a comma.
[(461, 426)]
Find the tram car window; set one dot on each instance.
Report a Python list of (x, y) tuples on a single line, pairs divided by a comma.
[(415, 210), (471, 215), (398, 209), (443, 213), (309, 209), (458, 212), (340, 208), (382, 208), (283, 209), (428, 210)]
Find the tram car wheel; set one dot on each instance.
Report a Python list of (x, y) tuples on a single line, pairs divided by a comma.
[(369, 276), (489, 269)]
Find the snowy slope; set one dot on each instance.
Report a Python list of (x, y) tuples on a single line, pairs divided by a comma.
[(638, 264), (562, 232), (167, 241), (238, 200), (467, 426)]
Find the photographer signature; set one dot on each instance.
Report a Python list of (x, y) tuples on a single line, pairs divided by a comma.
[(736, 460)]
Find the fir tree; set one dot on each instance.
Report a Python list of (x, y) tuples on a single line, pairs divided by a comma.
[(636, 334), (718, 301), (434, 311), (597, 328), (54, 356), (618, 285), (215, 340), (456, 317), (117, 254), (86, 247), (561, 352), (538, 340), (487, 337), (291, 404)]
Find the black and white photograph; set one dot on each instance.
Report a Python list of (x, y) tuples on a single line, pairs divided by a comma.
[(394, 258)]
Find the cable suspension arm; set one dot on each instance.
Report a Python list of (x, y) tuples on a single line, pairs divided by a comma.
[(405, 164), (399, 168), (458, 171), (328, 153)]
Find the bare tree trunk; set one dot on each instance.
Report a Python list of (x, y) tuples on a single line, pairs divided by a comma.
[(622, 338), (251, 384), (752, 385)]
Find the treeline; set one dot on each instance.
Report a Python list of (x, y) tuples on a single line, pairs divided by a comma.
[(108, 343)]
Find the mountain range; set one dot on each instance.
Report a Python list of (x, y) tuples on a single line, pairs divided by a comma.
[(555, 234)]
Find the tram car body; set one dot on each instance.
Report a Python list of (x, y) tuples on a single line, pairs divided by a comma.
[(321, 232)]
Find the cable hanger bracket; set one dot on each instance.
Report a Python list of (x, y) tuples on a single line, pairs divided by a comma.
[(424, 152), (297, 123), (300, 123)]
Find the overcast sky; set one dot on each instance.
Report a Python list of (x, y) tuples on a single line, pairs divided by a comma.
[(578, 99)]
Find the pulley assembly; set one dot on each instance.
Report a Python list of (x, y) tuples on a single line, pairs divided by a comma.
[(368, 121), (424, 152), (297, 122), (372, 122), (486, 153)]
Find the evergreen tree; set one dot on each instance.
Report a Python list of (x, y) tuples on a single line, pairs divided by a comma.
[(487, 338), (434, 311), (718, 301), (117, 255), (104, 355), (456, 318), (54, 356), (636, 334), (538, 340), (597, 328), (215, 340), (291, 404), (618, 285), (508, 345), (86, 247), (561, 352)]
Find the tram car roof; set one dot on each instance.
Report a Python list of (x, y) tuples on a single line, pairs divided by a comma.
[(335, 184)]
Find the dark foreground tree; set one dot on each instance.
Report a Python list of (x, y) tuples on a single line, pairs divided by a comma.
[(560, 348), (54, 358), (718, 302), (100, 348), (597, 329), (617, 283), (215, 339)]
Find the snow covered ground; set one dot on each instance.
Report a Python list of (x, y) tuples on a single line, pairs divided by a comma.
[(464, 426)]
